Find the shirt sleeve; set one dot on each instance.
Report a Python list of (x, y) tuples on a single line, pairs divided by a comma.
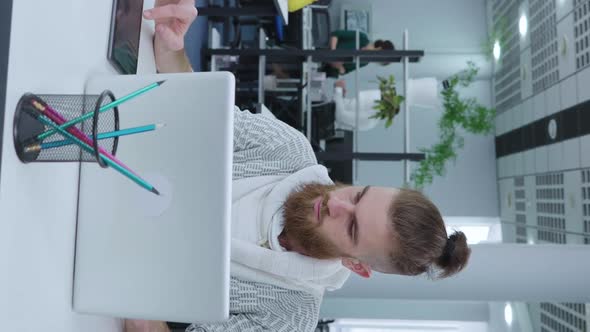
[(260, 307), (264, 145), (363, 39), (240, 322), (351, 66), (349, 36), (344, 35)]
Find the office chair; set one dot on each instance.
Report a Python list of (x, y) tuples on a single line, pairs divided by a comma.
[(272, 26), (324, 325), (233, 26), (321, 26), (323, 118)]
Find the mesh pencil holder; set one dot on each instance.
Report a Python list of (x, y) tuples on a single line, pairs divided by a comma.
[(27, 128)]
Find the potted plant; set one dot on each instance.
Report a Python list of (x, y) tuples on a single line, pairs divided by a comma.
[(389, 105), (458, 112)]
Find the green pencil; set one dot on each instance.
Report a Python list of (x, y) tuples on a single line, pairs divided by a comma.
[(111, 134), (46, 121), (106, 107)]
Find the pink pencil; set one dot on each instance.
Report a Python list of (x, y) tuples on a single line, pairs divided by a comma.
[(54, 116)]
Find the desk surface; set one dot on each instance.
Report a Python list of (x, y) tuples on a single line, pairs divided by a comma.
[(54, 47)]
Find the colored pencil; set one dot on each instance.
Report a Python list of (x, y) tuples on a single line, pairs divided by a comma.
[(45, 120), (54, 116), (104, 108), (101, 136)]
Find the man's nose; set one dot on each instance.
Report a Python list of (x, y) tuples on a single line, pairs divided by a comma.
[(338, 207)]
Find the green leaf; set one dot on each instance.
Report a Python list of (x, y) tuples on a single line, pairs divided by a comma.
[(389, 104), (389, 122), (465, 113)]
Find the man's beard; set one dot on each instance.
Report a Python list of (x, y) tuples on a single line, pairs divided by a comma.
[(300, 224)]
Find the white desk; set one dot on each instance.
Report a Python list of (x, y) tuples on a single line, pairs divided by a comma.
[(55, 47)]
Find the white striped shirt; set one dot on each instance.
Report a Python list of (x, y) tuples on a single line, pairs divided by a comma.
[(264, 145)]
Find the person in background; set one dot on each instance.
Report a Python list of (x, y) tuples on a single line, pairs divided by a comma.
[(346, 40)]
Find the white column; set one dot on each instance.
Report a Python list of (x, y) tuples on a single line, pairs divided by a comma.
[(496, 272), (466, 311)]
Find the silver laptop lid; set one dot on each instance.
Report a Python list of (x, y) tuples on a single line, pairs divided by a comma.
[(139, 255)]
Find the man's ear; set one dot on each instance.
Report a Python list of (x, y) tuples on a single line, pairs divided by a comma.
[(358, 267)]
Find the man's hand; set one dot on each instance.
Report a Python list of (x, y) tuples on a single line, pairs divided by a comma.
[(339, 66), (173, 19), (341, 84), (135, 325), (333, 42)]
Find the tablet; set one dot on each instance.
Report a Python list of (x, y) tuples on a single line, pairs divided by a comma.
[(124, 36)]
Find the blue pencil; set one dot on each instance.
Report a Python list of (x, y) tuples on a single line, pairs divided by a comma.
[(101, 136), (90, 150)]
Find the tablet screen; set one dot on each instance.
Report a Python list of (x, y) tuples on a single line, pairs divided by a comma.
[(124, 38)]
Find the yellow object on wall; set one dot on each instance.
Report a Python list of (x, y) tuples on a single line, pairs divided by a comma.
[(295, 5)]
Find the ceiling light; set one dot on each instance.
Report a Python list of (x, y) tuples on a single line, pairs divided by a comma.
[(523, 25), (496, 50), (508, 314)]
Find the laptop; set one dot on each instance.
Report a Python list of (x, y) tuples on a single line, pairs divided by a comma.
[(160, 257)]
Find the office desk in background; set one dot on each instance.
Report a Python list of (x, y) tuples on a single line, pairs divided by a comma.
[(281, 7), (55, 46)]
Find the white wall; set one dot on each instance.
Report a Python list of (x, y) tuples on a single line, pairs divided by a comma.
[(455, 25), (451, 32)]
